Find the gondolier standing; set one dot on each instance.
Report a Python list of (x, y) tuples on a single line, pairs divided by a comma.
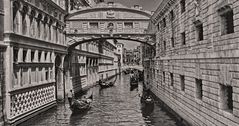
[(70, 96)]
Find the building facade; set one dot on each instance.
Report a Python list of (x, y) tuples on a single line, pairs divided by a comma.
[(195, 68), (34, 57), (2, 50), (90, 62), (120, 51)]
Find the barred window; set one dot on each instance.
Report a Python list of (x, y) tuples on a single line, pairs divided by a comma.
[(183, 38), (199, 88), (227, 23), (199, 32), (226, 97), (183, 7), (171, 78), (182, 80)]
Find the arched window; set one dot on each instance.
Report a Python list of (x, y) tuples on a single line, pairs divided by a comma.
[(15, 17), (24, 22), (45, 33), (39, 25), (32, 21)]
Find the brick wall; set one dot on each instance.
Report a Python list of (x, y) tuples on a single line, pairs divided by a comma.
[(214, 60)]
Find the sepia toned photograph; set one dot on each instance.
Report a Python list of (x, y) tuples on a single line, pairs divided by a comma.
[(119, 62)]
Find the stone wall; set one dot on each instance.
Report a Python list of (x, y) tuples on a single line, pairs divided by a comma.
[(211, 62), (2, 82)]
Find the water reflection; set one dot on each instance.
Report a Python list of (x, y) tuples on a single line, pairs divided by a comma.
[(114, 106)]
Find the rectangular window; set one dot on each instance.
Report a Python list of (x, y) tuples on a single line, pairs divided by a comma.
[(39, 56), (94, 25), (164, 23), (128, 25), (199, 32), (226, 97), (227, 23), (164, 76), (15, 55), (199, 88), (171, 78), (32, 55), (164, 45), (183, 38), (183, 7), (182, 80), (172, 41), (24, 55), (172, 15)]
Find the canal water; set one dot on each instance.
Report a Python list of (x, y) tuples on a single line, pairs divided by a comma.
[(114, 106)]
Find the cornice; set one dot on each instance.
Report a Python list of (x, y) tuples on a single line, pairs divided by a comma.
[(21, 40), (162, 8)]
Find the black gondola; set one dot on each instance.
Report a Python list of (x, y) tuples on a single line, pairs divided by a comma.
[(133, 81), (147, 99), (106, 84), (81, 105)]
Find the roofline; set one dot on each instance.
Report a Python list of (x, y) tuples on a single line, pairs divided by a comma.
[(111, 8)]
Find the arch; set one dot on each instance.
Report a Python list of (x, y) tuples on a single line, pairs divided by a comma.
[(72, 46)]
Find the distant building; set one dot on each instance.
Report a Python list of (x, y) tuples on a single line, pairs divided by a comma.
[(120, 51), (133, 56)]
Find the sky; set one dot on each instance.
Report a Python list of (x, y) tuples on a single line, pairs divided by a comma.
[(150, 5)]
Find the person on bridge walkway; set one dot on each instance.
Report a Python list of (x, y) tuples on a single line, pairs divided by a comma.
[(70, 96)]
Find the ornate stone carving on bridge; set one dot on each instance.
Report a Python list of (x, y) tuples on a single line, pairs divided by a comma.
[(110, 14)]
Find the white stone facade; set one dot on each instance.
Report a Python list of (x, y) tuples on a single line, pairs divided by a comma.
[(34, 38)]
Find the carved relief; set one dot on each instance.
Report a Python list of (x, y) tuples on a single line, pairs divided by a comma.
[(110, 14)]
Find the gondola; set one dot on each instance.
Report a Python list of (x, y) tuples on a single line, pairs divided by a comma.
[(147, 99), (133, 81), (81, 105), (106, 84)]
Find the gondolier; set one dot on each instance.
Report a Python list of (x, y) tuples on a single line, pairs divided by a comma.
[(70, 96)]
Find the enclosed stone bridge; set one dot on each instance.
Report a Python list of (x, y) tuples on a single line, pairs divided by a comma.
[(108, 21)]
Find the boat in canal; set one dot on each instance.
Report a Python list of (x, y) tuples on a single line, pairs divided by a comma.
[(105, 84), (147, 99), (133, 81), (81, 105)]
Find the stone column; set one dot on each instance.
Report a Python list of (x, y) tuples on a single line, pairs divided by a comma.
[(8, 63), (60, 81)]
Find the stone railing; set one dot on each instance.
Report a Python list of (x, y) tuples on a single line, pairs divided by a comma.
[(26, 101)]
